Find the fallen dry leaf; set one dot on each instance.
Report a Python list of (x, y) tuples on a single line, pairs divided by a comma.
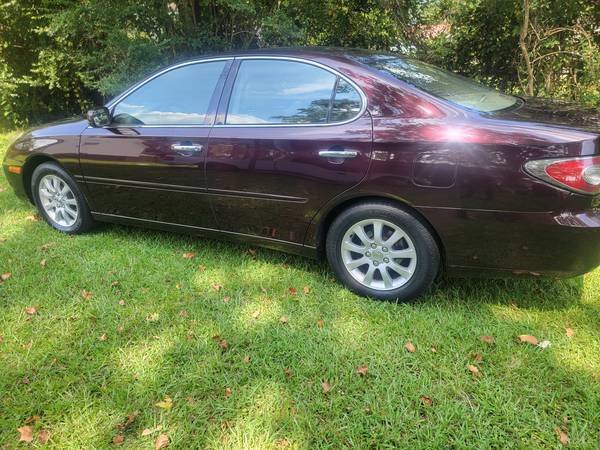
[(226, 299), (426, 400), (263, 290), (201, 268), (26, 433), (282, 443), (569, 332), (227, 392), (284, 319), (189, 255), (255, 314), (528, 339), (288, 373), (118, 439), (162, 441), (43, 263), (44, 436), (487, 339), (409, 346), (562, 436), (474, 370), (183, 313), (326, 387), (33, 218), (31, 310), (114, 284), (25, 380), (103, 338), (32, 419), (246, 359), (165, 403), (306, 290), (223, 344), (86, 294), (147, 432), (5, 276), (544, 344), (477, 357), (292, 290), (216, 286), (252, 252), (433, 350), (130, 419), (122, 302), (320, 323), (362, 370), (152, 317)]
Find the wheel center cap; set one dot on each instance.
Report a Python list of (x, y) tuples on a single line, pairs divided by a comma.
[(377, 255)]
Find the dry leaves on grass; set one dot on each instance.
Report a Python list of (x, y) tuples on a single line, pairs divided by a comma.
[(487, 339), (252, 252), (362, 370), (288, 373), (122, 302), (433, 350), (284, 319), (326, 387), (527, 339), (227, 392), (5, 276), (26, 432), (426, 400), (474, 370), (43, 263), (569, 332), (118, 439), (43, 436), (563, 437), (216, 286), (86, 294), (103, 338), (162, 441), (165, 403), (306, 290), (223, 344), (292, 290), (130, 419), (189, 255), (320, 323), (31, 310), (152, 317), (410, 347)]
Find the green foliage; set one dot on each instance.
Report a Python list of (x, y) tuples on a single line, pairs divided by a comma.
[(60, 56)]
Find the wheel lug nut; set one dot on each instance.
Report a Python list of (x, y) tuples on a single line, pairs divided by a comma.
[(386, 260), (384, 249), (373, 245), (375, 263), (368, 253)]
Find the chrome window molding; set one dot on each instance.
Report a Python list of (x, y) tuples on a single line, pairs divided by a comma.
[(110, 105), (362, 95)]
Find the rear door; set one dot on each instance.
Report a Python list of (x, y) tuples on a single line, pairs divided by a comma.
[(290, 136), (149, 163)]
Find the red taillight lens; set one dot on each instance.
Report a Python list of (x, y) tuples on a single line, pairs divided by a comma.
[(580, 175)]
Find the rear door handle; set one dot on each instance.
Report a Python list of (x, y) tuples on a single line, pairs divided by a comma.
[(187, 149), (338, 153)]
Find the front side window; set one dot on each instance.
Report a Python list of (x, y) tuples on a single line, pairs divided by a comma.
[(178, 97), (285, 92)]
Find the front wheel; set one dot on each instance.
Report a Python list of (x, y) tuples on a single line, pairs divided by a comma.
[(381, 251), (59, 200)]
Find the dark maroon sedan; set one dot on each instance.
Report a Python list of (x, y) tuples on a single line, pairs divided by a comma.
[(393, 168)]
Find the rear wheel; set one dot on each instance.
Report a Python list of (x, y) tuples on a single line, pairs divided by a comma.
[(59, 200), (378, 250)]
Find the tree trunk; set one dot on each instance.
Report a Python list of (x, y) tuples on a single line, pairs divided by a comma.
[(524, 50)]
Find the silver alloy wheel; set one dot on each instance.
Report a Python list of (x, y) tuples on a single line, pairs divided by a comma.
[(58, 200), (378, 254)]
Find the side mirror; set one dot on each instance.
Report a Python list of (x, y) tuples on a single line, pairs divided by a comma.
[(99, 117)]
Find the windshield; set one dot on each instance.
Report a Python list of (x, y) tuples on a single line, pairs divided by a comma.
[(441, 83)]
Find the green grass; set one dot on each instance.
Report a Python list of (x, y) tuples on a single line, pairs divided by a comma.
[(162, 342)]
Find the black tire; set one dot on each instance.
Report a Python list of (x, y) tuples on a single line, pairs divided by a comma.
[(84, 221), (427, 263)]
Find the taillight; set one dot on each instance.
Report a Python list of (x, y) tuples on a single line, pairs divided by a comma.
[(581, 175)]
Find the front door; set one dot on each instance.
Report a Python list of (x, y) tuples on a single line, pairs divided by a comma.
[(149, 163), (290, 136)]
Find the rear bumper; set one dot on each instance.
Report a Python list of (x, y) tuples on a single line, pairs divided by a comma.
[(508, 244)]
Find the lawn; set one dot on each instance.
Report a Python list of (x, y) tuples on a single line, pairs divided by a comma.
[(234, 347)]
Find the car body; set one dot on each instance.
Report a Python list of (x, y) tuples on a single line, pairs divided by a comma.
[(460, 171)]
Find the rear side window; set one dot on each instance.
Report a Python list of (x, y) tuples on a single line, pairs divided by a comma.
[(288, 92), (178, 97)]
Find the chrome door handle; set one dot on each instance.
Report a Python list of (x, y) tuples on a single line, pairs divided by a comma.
[(187, 149), (338, 153)]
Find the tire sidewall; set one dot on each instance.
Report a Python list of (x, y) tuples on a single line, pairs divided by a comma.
[(428, 258), (52, 169)]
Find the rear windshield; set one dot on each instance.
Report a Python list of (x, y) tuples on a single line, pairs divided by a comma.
[(441, 83)]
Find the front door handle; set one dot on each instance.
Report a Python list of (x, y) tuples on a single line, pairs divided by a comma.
[(187, 149), (338, 153)]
